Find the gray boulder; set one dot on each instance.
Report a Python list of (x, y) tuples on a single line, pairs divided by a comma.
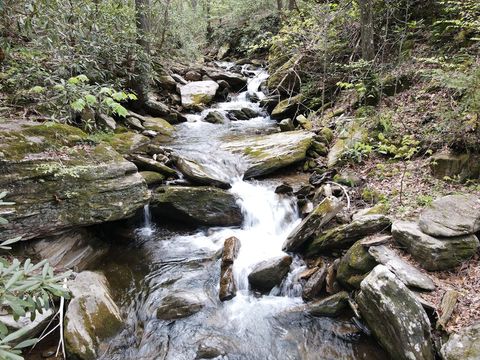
[(434, 253), (354, 266), (215, 117), (313, 223), (269, 273), (464, 345), (395, 316), (198, 93), (92, 316), (408, 274), (236, 81), (459, 166), (267, 153), (197, 205), (343, 236), (452, 215), (199, 173), (315, 284)]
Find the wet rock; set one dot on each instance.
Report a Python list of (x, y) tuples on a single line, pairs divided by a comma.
[(464, 345), (343, 236), (198, 93), (331, 306), (284, 189), (452, 215), (434, 253), (408, 274), (152, 177), (313, 223), (267, 153), (231, 247), (228, 286), (456, 166), (54, 190), (269, 273), (269, 102), (315, 284), (395, 317), (350, 135), (148, 164), (287, 108), (179, 305), (286, 125), (197, 205), (159, 125), (354, 266), (215, 117), (208, 352), (91, 317), (74, 249), (199, 173)]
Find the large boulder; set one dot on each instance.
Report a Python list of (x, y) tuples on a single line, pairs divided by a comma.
[(408, 274), (159, 125), (198, 93), (343, 236), (179, 305), (464, 345), (197, 205), (125, 142), (267, 153), (313, 223), (354, 266), (452, 215), (59, 182), (269, 273), (395, 316), (434, 253), (236, 81), (200, 173), (92, 316)]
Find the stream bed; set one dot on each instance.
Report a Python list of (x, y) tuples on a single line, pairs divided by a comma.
[(164, 259)]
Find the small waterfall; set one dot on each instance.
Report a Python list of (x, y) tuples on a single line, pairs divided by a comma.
[(147, 229)]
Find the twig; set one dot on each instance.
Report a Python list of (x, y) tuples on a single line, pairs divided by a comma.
[(60, 311), (344, 191)]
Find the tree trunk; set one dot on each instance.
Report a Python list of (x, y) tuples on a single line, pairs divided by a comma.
[(366, 29), (209, 20), (279, 5), (292, 4), (141, 83)]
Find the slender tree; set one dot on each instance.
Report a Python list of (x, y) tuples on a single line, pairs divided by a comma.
[(366, 29), (141, 83)]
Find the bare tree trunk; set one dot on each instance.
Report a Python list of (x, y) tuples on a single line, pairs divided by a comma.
[(141, 83), (209, 20), (366, 28), (292, 4), (165, 24), (279, 5)]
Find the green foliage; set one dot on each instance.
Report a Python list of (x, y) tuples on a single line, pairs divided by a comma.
[(25, 290), (460, 20)]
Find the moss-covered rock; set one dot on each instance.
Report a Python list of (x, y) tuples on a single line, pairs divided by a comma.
[(456, 166), (287, 108), (159, 125), (354, 266), (284, 79), (464, 345), (267, 153), (197, 205), (123, 142), (58, 181), (331, 306), (350, 135), (91, 317), (152, 177)]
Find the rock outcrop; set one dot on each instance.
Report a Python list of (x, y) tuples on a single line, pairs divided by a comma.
[(464, 345), (434, 253), (59, 182), (395, 317), (197, 205)]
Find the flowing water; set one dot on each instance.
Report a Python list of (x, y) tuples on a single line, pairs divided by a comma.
[(165, 260)]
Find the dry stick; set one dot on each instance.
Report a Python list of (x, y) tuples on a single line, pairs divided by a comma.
[(62, 305), (344, 191)]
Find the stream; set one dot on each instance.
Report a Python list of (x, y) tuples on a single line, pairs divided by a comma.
[(167, 259)]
